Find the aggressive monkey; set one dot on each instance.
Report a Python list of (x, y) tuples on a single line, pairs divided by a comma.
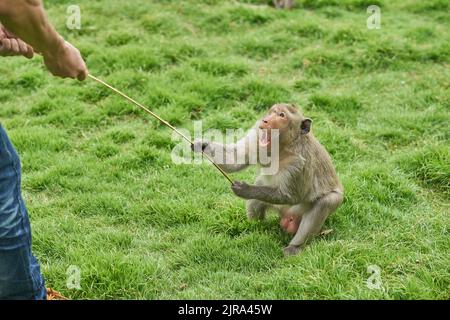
[(305, 190)]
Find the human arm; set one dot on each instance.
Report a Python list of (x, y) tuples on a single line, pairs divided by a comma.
[(27, 20)]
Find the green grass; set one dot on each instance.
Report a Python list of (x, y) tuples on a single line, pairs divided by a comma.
[(104, 195)]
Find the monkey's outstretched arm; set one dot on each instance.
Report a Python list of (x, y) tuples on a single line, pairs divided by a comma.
[(263, 193), (230, 157)]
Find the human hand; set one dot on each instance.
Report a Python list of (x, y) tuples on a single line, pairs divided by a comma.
[(66, 62), (10, 45)]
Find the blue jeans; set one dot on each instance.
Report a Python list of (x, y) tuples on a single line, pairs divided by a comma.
[(20, 275)]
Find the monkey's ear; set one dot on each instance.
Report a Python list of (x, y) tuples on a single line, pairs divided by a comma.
[(305, 126)]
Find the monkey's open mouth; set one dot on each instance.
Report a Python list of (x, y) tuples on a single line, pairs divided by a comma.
[(264, 137)]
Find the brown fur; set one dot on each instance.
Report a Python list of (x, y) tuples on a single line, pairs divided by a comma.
[(283, 4)]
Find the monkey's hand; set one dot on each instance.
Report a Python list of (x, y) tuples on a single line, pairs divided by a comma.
[(291, 250), (243, 190), (199, 146)]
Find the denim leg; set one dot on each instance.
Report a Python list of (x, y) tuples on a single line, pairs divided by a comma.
[(20, 276)]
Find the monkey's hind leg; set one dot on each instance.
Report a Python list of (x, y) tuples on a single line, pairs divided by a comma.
[(313, 220), (297, 210), (256, 209)]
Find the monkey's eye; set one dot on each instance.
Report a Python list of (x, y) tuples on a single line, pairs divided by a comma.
[(282, 114)]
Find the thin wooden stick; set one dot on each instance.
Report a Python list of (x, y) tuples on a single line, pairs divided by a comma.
[(161, 120)]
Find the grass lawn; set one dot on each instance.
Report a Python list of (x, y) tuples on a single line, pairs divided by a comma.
[(104, 195)]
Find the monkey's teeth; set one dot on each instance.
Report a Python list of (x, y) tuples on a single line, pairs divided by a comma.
[(265, 139)]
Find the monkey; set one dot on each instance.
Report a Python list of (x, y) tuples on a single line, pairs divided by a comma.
[(283, 4), (305, 190)]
